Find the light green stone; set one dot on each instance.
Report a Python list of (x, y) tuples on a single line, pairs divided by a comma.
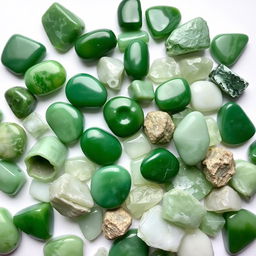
[(141, 90), (101, 252), (178, 117), (40, 191), (213, 131)]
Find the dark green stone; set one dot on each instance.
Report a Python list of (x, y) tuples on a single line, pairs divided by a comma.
[(159, 252), (252, 152)]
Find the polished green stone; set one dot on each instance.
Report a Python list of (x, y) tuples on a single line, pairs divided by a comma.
[(234, 125), (12, 178), (239, 230), (173, 95), (95, 44), (21, 101), (123, 115), (136, 59), (129, 245), (130, 15), (62, 27), (159, 252), (160, 165), (84, 90), (227, 48), (100, 146), (36, 220), (45, 77), (252, 152), (162, 20), (110, 186), (141, 91), (66, 121)]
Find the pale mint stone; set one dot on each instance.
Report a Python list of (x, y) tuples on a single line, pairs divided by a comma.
[(178, 117), (40, 191), (141, 91), (214, 132), (101, 252)]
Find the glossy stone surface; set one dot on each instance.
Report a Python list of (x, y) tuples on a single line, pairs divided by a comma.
[(40, 191), (45, 77), (100, 146), (234, 125), (66, 121), (123, 115), (62, 27), (36, 221), (252, 152), (141, 91), (213, 131), (20, 53), (182, 39), (227, 48), (13, 141), (95, 44), (173, 95), (162, 20), (110, 186), (21, 101)]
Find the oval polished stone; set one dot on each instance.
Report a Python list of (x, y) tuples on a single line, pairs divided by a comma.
[(84, 90), (159, 165), (95, 44), (123, 115), (66, 121), (100, 146), (45, 77), (173, 95), (136, 59), (252, 152), (110, 186)]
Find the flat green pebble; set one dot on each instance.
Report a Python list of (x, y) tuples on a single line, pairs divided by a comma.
[(141, 91), (110, 186), (159, 252), (252, 152)]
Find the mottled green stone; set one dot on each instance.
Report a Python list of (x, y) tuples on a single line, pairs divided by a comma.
[(141, 91), (252, 152)]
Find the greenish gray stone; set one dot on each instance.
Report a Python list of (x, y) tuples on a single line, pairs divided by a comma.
[(213, 130)]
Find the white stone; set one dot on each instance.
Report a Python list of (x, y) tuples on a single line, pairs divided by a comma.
[(40, 191)]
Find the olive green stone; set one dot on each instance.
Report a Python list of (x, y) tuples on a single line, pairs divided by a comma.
[(252, 152), (141, 91), (21, 101), (45, 77)]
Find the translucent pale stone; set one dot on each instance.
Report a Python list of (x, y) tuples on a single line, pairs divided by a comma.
[(101, 252), (137, 146), (178, 117), (213, 131), (110, 72), (153, 228), (40, 191)]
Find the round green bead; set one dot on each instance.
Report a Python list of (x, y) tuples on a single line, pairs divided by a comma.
[(123, 115), (252, 152), (100, 146), (110, 186)]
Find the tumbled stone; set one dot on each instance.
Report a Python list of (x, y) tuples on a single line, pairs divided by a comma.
[(178, 117), (213, 131), (101, 252), (141, 91), (40, 191)]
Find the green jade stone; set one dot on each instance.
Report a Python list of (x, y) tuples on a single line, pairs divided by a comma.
[(36, 221), (162, 20), (159, 252), (129, 245), (21, 101), (141, 91), (234, 125), (227, 48), (123, 115), (62, 27), (110, 186), (213, 130), (100, 146), (84, 90), (45, 77), (20, 53), (66, 121), (160, 166), (252, 152)]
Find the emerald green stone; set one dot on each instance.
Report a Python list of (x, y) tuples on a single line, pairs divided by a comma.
[(62, 27), (227, 48), (159, 165), (110, 186), (239, 230), (20, 53), (45, 77), (95, 44), (66, 121), (173, 95), (130, 15), (234, 125), (36, 220), (162, 20), (141, 91), (12, 178), (100, 146), (65, 246), (129, 245), (252, 152), (21, 101), (159, 252), (84, 90), (123, 115), (136, 59)]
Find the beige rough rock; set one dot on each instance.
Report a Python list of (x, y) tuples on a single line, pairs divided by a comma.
[(159, 127), (219, 166), (116, 223)]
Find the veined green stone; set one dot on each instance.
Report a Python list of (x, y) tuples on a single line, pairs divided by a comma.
[(252, 152), (162, 20), (141, 91), (159, 252), (234, 125), (20, 53), (62, 27), (227, 48)]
